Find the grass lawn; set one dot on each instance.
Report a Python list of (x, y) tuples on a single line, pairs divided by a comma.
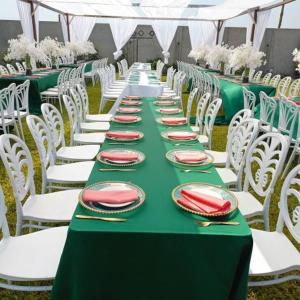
[(286, 291)]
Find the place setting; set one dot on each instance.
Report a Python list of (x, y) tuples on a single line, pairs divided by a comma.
[(120, 158), (111, 197), (169, 110), (126, 119), (128, 102), (128, 110), (172, 121), (180, 137), (124, 137), (165, 102), (213, 202)]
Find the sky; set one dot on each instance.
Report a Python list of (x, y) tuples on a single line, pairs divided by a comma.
[(291, 19)]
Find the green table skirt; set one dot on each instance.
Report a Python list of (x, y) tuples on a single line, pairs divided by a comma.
[(160, 252), (232, 96), (37, 85)]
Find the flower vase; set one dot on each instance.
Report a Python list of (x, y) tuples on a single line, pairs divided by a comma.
[(206, 66), (246, 75), (28, 72), (28, 66), (222, 67)]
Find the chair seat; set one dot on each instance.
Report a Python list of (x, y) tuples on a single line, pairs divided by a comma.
[(78, 172), (54, 89), (272, 253), (249, 206), (203, 139), (227, 176), (111, 96), (52, 207), (6, 122), (268, 128), (21, 113), (49, 94), (78, 153), (195, 128), (220, 158), (94, 126), (98, 118), (33, 256), (90, 74), (89, 138)]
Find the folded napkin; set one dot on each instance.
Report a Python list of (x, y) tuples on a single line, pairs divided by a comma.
[(181, 135), (203, 202), (123, 134), (130, 102), (190, 157), (128, 109), (133, 97), (169, 110), (119, 156), (113, 197), (165, 102), (171, 121), (297, 103), (126, 118)]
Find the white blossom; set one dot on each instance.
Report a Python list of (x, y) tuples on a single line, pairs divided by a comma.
[(296, 54), (219, 54)]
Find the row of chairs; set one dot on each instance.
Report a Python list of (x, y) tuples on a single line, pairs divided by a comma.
[(96, 65)]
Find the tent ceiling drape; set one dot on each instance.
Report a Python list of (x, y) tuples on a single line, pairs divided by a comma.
[(153, 9)]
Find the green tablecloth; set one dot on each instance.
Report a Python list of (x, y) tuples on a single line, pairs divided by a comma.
[(37, 85), (159, 253), (232, 95), (276, 118), (88, 66)]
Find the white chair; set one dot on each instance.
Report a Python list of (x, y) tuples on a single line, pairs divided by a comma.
[(200, 113), (274, 256), (275, 80), (240, 141), (190, 104), (283, 86), (85, 104), (12, 70), (33, 210), (3, 70), (216, 87), (55, 124), (264, 163), (209, 121), (249, 100), (86, 126), (92, 74), (294, 89), (22, 103), (7, 109), (257, 76), (266, 79), (55, 176), (268, 107), (29, 258), (221, 157), (20, 67), (76, 137)]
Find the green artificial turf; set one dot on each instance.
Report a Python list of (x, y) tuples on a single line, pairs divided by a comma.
[(286, 291)]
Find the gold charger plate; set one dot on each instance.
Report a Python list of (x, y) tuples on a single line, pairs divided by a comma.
[(164, 135), (127, 122), (158, 120), (127, 140)]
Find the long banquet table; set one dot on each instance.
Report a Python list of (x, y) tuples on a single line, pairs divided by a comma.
[(37, 85), (160, 252)]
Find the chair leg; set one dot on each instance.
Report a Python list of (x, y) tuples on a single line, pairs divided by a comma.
[(21, 128), (288, 164), (60, 105)]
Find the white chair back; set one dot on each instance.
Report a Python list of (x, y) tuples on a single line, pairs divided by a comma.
[(266, 79), (257, 76), (283, 85), (3, 70), (294, 89), (249, 99), (3, 220), (190, 104), (12, 70), (267, 110), (200, 111), (22, 96), (20, 67), (275, 80)]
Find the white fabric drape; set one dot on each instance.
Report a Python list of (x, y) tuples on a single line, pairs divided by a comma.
[(121, 30), (80, 28), (26, 19), (203, 33), (165, 31), (260, 27)]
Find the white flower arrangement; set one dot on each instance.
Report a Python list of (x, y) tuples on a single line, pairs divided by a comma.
[(21, 49), (81, 48), (219, 54), (51, 47), (200, 53), (245, 56), (296, 54)]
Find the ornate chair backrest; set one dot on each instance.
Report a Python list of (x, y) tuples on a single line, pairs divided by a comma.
[(289, 204), (294, 89), (266, 79), (190, 104), (283, 85), (267, 109), (44, 143), (18, 163), (3, 221), (22, 95), (20, 67), (200, 111), (3, 70), (249, 99), (7, 102), (78, 102), (216, 87), (84, 98), (210, 116), (275, 80), (55, 123), (257, 76), (12, 70)]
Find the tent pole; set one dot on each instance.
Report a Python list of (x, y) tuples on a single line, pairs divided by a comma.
[(253, 26), (33, 21), (281, 16), (219, 27), (68, 27)]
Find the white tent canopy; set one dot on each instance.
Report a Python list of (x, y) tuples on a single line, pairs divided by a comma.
[(153, 9)]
